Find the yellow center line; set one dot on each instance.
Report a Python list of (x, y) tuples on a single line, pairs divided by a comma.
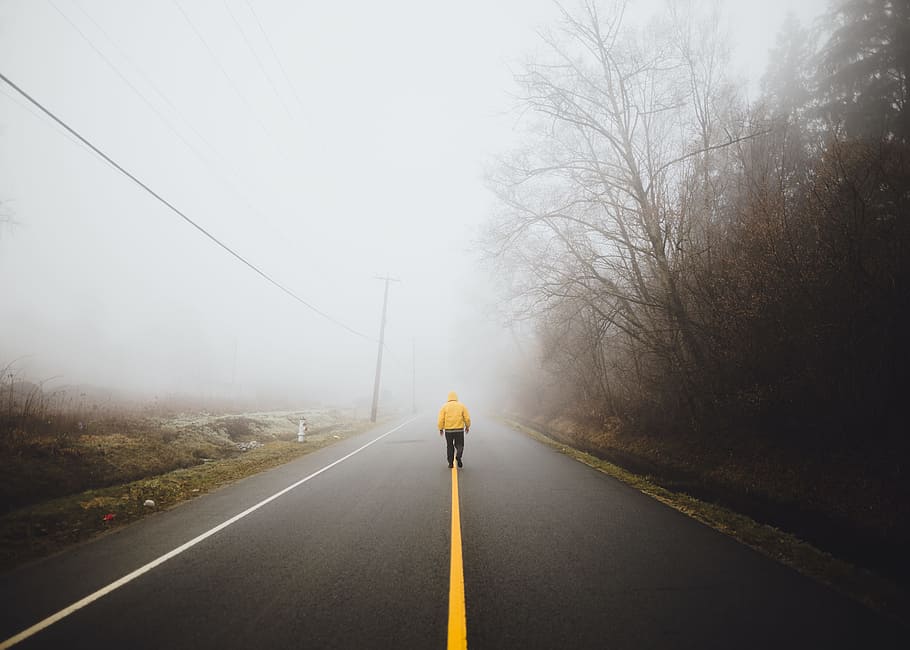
[(458, 623)]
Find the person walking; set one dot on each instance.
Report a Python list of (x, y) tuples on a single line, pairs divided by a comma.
[(454, 422)]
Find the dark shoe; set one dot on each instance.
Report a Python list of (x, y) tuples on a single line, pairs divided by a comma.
[(459, 463), (450, 465)]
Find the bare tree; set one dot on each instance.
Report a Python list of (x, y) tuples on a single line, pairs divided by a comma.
[(599, 211)]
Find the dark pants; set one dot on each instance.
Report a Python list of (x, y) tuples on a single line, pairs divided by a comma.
[(454, 443)]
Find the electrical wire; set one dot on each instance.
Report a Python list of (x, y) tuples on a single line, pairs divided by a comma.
[(183, 216), (268, 40), (275, 142), (224, 72), (15, 99), (138, 92), (145, 78), (231, 186), (265, 72)]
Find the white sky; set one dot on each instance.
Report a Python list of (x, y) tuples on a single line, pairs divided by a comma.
[(358, 151)]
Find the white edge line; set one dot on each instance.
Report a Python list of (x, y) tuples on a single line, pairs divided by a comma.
[(79, 604)]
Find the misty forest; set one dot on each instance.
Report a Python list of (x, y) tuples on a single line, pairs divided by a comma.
[(693, 279), (718, 288)]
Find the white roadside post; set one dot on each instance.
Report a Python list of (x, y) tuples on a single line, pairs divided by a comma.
[(301, 430)]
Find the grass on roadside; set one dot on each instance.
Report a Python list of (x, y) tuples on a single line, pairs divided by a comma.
[(47, 527), (857, 583)]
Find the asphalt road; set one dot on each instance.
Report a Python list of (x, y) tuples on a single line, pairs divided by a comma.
[(556, 555)]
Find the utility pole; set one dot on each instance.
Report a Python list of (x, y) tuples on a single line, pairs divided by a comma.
[(234, 373), (385, 302)]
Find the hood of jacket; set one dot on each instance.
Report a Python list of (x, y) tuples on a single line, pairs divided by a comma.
[(453, 396)]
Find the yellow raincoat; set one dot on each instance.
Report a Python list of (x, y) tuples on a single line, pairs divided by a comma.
[(454, 414)]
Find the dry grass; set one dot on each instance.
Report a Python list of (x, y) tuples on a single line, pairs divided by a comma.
[(848, 502), (73, 485), (872, 590), (53, 452)]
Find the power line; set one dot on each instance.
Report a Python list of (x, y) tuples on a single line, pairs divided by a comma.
[(231, 186), (258, 60), (275, 142), (31, 110), (223, 71), (145, 77), (138, 92), (183, 216), (275, 54)]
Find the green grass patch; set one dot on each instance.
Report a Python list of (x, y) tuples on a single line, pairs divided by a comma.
[(862, 585)]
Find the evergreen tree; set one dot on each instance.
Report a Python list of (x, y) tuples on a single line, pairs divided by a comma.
[(862, 79), (787, 79)]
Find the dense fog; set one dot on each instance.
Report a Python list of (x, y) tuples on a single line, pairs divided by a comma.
[(327, 144)]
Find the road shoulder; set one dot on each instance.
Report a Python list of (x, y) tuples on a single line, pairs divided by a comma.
[(855, 582)]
